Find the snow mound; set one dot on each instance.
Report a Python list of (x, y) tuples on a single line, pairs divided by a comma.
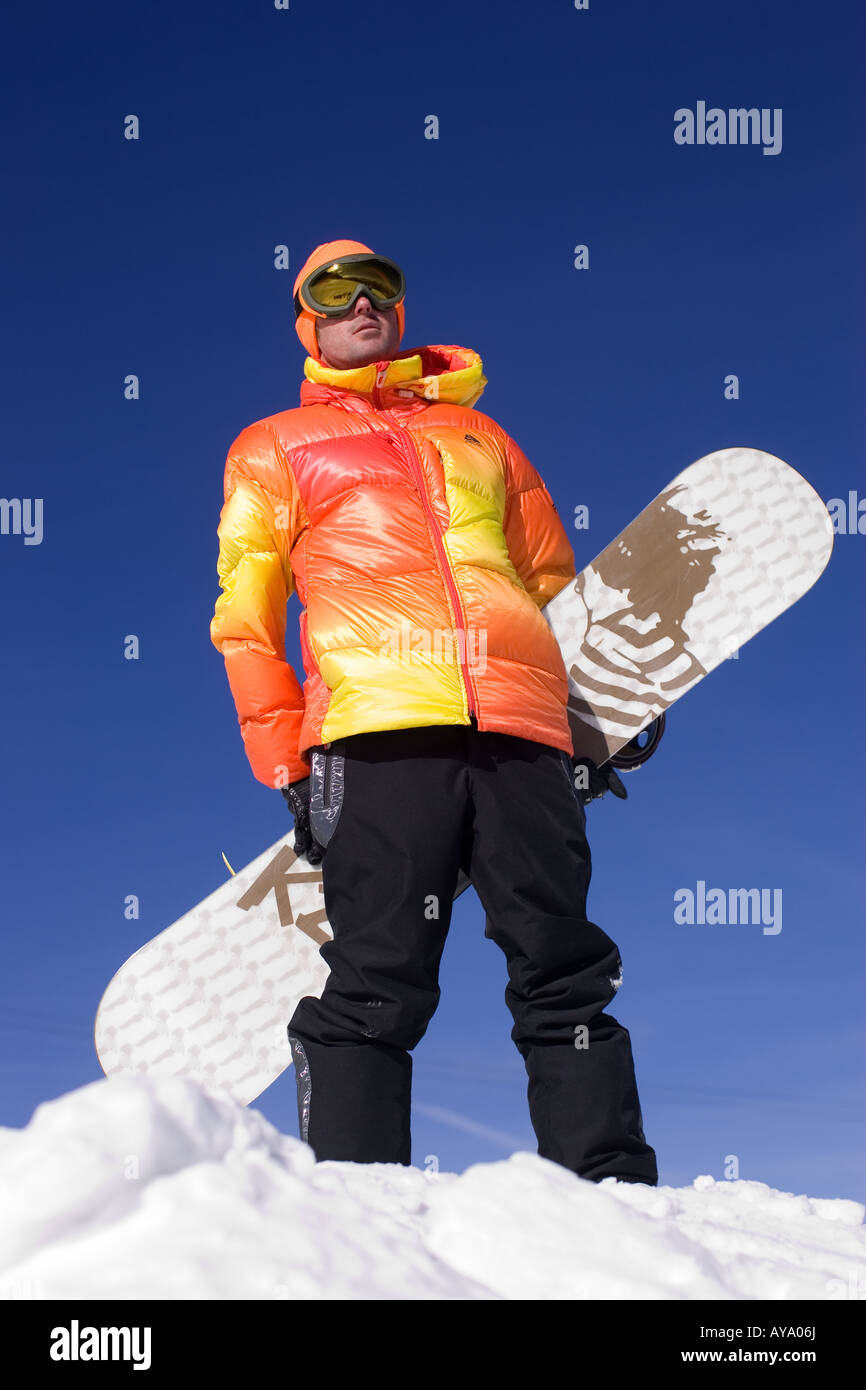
[(157, 1189)]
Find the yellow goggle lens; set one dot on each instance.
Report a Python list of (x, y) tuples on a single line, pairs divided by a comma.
[(335, 284)]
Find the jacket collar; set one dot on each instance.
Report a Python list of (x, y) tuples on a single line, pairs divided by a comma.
[(412, 380)]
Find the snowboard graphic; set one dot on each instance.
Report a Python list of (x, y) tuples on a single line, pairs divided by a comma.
[(733, 542), (730, 544)]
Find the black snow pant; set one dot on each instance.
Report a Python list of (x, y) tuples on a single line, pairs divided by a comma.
[(402, 811)]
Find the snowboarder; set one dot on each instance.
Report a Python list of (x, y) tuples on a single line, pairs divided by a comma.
[(430, 734)]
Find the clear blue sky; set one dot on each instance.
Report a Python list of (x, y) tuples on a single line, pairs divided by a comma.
[(261, 127)]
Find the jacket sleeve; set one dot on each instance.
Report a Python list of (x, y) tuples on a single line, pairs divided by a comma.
[(536, 538), (249, 621)]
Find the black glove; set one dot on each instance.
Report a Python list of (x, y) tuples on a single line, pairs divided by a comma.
[(297, 795), (594, 781)]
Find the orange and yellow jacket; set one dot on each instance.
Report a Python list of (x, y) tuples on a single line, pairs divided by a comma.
[(422, 545)]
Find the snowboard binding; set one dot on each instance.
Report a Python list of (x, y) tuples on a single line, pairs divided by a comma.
[(635, 753)]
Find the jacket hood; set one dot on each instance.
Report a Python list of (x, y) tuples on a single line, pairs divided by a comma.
[(439, 372)]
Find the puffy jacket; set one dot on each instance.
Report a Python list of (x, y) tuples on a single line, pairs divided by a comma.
[(422, 545)]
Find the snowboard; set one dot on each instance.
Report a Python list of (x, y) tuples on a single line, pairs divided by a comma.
[(728, 545)]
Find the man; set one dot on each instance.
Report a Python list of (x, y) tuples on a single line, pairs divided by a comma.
[(430, 734)]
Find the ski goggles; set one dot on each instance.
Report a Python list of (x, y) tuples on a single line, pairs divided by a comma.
[(333, 288)]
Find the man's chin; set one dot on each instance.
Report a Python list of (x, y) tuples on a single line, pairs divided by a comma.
[(368, 353), (363, 354)]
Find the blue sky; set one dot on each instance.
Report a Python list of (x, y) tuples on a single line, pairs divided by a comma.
[(259, 128)]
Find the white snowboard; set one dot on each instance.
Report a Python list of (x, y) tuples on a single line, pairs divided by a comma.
[(210, 997), (731, 543)]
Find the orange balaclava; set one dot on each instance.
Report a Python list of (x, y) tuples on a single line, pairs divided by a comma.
[(305, 324)]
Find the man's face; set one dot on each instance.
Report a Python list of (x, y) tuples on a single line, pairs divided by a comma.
[(362, 335)]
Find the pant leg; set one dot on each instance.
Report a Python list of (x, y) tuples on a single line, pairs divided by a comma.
[(389, 874), (531, 867)]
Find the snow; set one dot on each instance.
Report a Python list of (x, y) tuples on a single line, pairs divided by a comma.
[(158, 1189)]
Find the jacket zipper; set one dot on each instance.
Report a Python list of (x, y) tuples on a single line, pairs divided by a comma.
[(381, 373), (457, 614)]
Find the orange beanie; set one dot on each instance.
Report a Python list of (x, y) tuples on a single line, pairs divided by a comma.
[(305, 323)]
